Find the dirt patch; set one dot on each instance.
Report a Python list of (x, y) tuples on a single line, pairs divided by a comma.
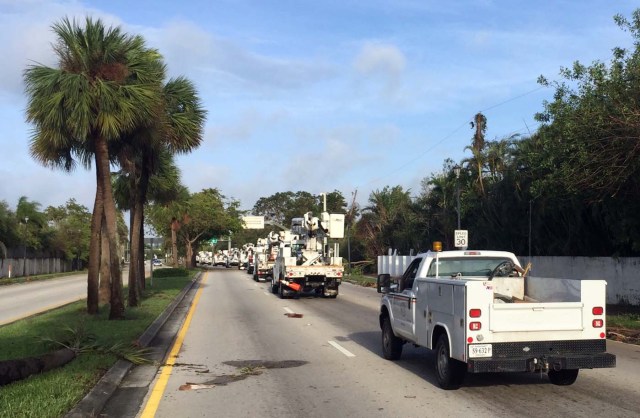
[(245, 369), (625, 335)]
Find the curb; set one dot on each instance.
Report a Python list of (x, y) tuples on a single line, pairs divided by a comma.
[(93, 403)]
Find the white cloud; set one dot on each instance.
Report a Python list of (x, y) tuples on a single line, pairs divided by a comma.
[(26, 36), (381, 67), (385, 59), (193, 51)]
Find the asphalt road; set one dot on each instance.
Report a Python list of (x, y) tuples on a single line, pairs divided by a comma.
[(240, 355), (19, 301)]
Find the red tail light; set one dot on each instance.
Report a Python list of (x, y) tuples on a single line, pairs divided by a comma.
[(597, 310), (475, 313), (475, 326), (597, 323)]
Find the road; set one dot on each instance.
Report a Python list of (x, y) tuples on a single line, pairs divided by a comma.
[(19, 301), (241, 355)]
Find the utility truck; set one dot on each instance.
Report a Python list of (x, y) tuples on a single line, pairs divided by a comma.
[(265, 254), (480, 312), (306, 262)]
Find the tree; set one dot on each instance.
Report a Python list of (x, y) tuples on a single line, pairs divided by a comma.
[(281, 207), (593, 123), (179, 130), (71, 224), (390, 221), (106, 85)]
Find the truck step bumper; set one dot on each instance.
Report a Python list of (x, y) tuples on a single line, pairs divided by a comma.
[(531, 364)]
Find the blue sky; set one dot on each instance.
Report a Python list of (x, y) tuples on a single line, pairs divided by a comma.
[(319, 95)]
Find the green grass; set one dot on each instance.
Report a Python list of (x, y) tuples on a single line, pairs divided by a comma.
[(54, 393), (362, 280), (623, 316)]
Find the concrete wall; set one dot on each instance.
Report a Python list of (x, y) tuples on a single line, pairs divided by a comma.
[(33, 266), (622, 274)]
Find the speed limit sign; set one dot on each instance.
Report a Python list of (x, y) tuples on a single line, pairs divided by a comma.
[(461, 238)]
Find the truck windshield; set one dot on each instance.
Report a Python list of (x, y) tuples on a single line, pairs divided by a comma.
[(465, 266)]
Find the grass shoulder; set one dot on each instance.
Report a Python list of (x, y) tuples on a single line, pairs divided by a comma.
[(54, 393)]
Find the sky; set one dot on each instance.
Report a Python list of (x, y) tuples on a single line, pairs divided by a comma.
[(319, 95)]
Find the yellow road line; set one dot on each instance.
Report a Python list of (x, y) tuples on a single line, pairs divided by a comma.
[(151, 407)]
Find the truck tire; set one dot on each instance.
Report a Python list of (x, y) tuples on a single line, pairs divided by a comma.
[(564, 377), (281, 290), (449, 372), (329, 296), (391, 345), (274, 287)]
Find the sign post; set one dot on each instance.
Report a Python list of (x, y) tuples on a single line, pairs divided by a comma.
[(461, 238)]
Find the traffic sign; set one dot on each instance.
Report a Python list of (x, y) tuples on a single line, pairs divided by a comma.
[(213, 241), (253, 222), (461, 238)]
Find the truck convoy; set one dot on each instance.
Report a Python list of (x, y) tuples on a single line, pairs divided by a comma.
[(306, 262), (480, 312)]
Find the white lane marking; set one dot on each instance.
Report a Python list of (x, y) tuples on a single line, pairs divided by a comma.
[(287, 310), (255, 284), (342, 349), (266, 293)]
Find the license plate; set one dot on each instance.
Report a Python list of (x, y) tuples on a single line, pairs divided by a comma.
[(480, 350)]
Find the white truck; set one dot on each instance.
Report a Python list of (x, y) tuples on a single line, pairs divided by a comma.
[(265, 255), (306, 263), (480, 312)]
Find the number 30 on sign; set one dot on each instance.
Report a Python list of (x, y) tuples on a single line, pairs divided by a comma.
[(461, 238)]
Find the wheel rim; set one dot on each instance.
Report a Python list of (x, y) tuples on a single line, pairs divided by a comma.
[(443, 362), (385, 339)]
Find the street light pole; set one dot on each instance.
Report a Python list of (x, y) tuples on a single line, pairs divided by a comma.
[(24, 259), (456, 170)]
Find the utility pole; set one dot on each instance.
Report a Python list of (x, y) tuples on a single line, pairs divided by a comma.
[(456, 170), (24, 259)]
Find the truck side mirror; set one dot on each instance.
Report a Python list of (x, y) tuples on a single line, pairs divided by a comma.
[(383, 283)]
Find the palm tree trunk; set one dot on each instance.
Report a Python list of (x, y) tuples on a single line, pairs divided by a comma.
[(141, 198), (134, 265), (102, 160), (174, 240), (104, 293), (94, 249), (189, 251), (141, 269)]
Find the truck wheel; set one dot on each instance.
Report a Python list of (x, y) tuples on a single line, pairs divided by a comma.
[(274, 287), (327, 295), (255, 277), (449, 372), (391, 345), (281, 291), (564, 377)]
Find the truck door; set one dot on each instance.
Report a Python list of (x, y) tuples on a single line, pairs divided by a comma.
[(404, 302)]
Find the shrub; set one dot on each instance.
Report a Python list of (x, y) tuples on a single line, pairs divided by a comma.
[(170, 272)]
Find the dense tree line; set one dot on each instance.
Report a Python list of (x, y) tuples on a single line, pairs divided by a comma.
[(570, 189)]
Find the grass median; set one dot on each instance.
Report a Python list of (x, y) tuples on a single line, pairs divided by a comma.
[(54, 393)]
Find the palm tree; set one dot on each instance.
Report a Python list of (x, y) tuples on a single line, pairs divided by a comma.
[(162, 188), (106, 84), (177, 130)]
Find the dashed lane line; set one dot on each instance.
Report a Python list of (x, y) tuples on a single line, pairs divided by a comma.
[(341, 349)]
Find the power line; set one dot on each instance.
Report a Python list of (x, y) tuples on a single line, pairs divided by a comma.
[(374, 180)]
